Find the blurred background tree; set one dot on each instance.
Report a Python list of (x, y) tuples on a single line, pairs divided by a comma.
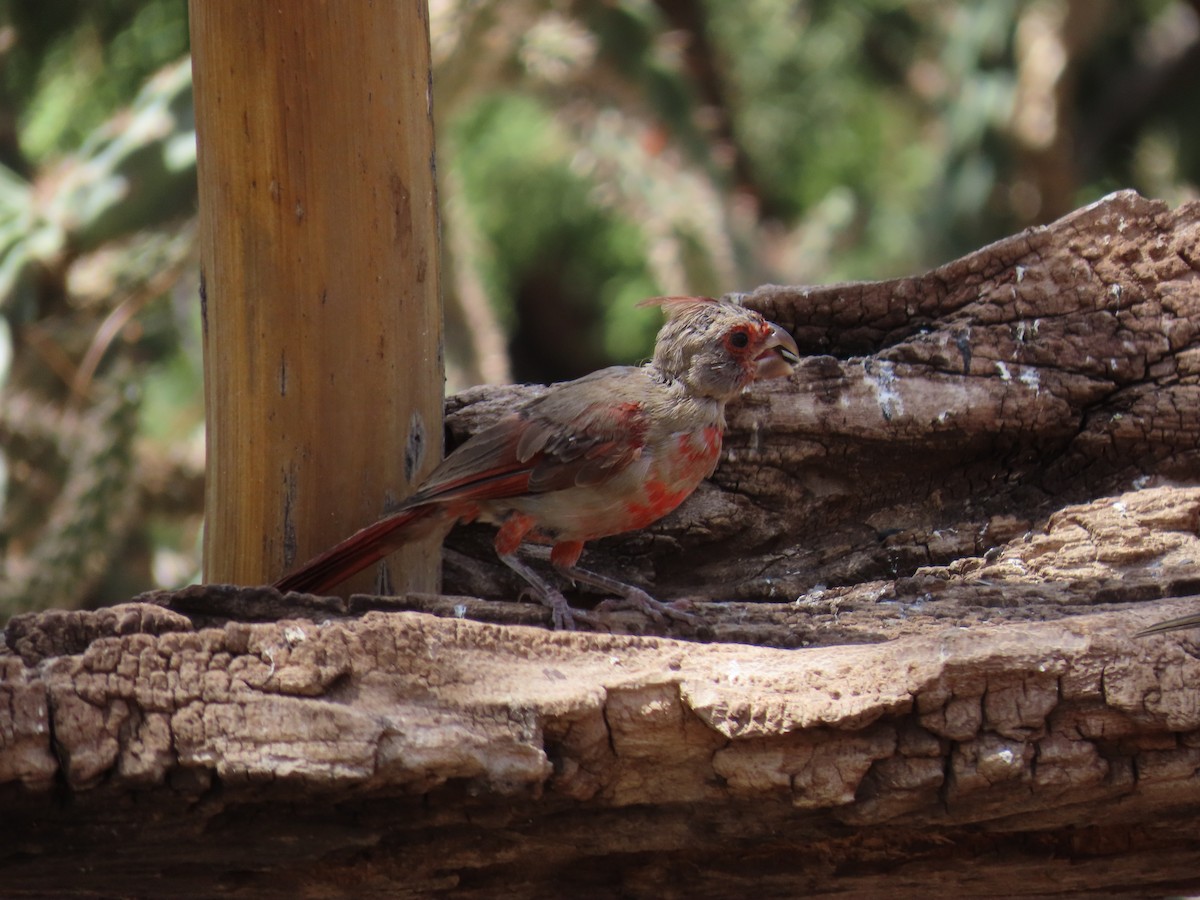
[(590, 155)]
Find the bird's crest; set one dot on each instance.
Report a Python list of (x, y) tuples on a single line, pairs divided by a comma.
[(675, 306)]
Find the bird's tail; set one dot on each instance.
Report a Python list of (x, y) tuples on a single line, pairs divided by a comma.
[(364, 547)]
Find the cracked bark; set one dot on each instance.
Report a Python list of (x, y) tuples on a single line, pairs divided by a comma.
[(915, 575)]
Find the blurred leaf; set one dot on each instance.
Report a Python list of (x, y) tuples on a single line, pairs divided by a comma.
[(134, 171), (76, 62)]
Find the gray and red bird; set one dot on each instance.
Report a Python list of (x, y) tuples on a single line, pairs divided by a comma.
[(604, 454)]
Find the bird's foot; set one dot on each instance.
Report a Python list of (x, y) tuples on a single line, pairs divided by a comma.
[(635, 598), (630, 597), (563, 616)]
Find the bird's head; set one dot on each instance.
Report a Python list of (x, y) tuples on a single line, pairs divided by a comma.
[(718, 348)]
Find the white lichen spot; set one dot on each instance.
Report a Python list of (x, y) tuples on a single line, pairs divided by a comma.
[(1020, 274), (812, 595), (1002, 368), (1115, 290), (1031, 378), (1120, 507), (1026, 330), (756, 436), (460, 610), (294, 635), (884, 384)]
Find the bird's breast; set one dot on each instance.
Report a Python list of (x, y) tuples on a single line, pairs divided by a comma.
[(674, 475), (665, 474), (696, 454)]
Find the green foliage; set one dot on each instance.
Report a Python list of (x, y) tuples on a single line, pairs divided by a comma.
[(595, 259), (93, 244), (797, 94), (76, 62)]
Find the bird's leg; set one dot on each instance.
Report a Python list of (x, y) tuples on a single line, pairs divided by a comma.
[(563, 616), (565, 554), (632, 596), (512, 531)]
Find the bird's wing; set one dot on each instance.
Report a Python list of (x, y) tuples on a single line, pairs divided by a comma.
[(578, 433)]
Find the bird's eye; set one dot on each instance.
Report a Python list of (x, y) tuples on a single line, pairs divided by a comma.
[(739, 339)]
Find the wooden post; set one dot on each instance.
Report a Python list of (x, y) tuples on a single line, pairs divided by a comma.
[(319, 253)]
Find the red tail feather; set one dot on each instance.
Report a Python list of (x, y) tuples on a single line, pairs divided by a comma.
[(355, 553)]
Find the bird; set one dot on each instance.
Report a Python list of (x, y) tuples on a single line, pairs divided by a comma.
[(1191, 621), (607, 453)]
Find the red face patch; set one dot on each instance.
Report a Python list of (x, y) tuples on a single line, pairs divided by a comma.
[(741, 340)]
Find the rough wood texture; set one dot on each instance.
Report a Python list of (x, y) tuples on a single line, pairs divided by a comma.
[(962, 711), (941, 415), (320, 277)]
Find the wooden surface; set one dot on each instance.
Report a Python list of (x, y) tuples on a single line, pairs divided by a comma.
[(343, 752), (935, 417), (972, 718), (320, 277)]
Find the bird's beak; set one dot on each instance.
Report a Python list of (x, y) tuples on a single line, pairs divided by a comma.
[(779, 355)]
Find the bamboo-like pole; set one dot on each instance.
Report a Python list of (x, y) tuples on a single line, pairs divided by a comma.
[(319, 253)]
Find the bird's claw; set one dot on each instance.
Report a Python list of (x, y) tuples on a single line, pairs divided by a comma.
[(563, 616), (636, 598)]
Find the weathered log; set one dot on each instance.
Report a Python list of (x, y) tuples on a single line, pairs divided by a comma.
[(942, 415), (942, 547)]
